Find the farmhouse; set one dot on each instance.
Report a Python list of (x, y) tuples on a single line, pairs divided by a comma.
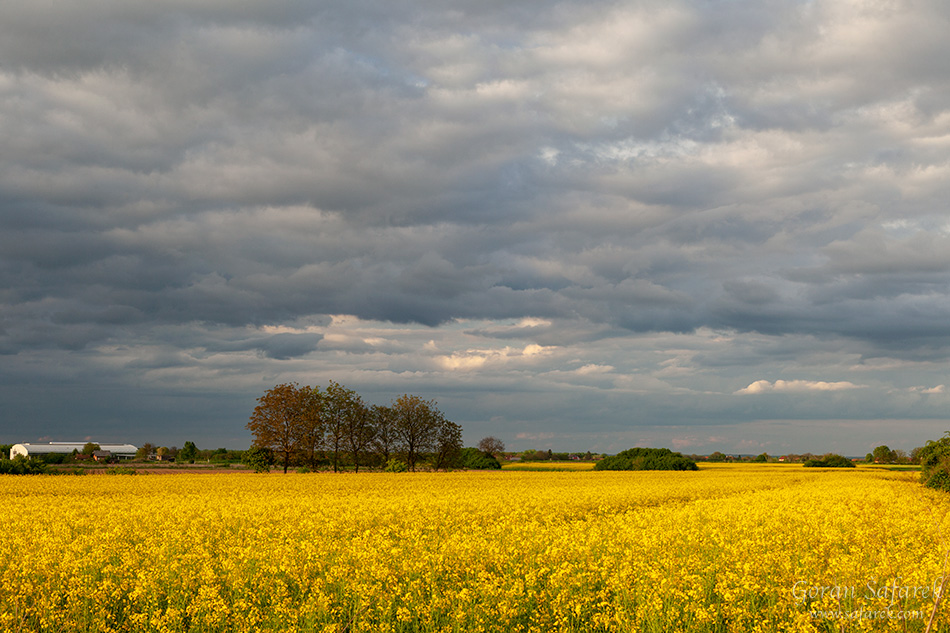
[(118, 451), (101, 456)]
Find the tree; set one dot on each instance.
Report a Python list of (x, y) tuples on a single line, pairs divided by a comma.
[(448, 444), (276, 421), (89, 448), (385, 440), (491, 446), (764, 457), (417, 423), (312, 424), (884, 455), (145, 451), (188, 453), (358, 429), (339, 401)]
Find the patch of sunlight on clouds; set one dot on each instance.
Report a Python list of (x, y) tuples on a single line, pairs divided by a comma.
[(477, 358), (929, 390), (796, 386)]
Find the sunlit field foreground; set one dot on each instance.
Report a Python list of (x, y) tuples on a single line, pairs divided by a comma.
[(728, 548)]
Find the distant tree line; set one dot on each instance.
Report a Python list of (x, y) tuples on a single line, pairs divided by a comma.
[(831, 460), (313, 427), (533, 455), (189, 453), (880, 455), (884, 455)]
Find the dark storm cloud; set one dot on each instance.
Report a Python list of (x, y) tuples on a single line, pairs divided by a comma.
[(186, 182)]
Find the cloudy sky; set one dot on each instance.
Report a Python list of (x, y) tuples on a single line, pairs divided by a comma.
[(701, 224)]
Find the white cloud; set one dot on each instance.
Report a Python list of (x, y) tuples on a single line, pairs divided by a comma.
[(929, 390), (592, 368), (796, 386), (477, 358)]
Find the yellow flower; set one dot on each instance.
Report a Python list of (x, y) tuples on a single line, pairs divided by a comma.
[(731, 547)]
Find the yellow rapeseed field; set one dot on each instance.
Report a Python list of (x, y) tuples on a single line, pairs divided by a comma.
[(729, 548)]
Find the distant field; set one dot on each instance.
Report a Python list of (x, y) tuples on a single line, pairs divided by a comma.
[(728, 548)]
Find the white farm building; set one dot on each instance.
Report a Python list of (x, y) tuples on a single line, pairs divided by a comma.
[(120, 451)]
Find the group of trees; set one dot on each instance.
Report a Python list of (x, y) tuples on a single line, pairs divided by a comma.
[(646, 459), (189, 453), (831, 460), (310, 426), (884, 455)]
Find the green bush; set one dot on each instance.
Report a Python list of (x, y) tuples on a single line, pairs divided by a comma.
[(935, 464), (396, 466), (646, 459), (830, 461), (259, 458), (53, 458), (475, 459), (939, 479), (22, 466)]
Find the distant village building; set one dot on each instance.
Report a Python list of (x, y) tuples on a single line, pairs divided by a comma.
[(117, 451)]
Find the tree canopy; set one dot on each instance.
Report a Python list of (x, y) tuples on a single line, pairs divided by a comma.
[(277, 421), (492, 446), (884, 455), (188, 453)]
